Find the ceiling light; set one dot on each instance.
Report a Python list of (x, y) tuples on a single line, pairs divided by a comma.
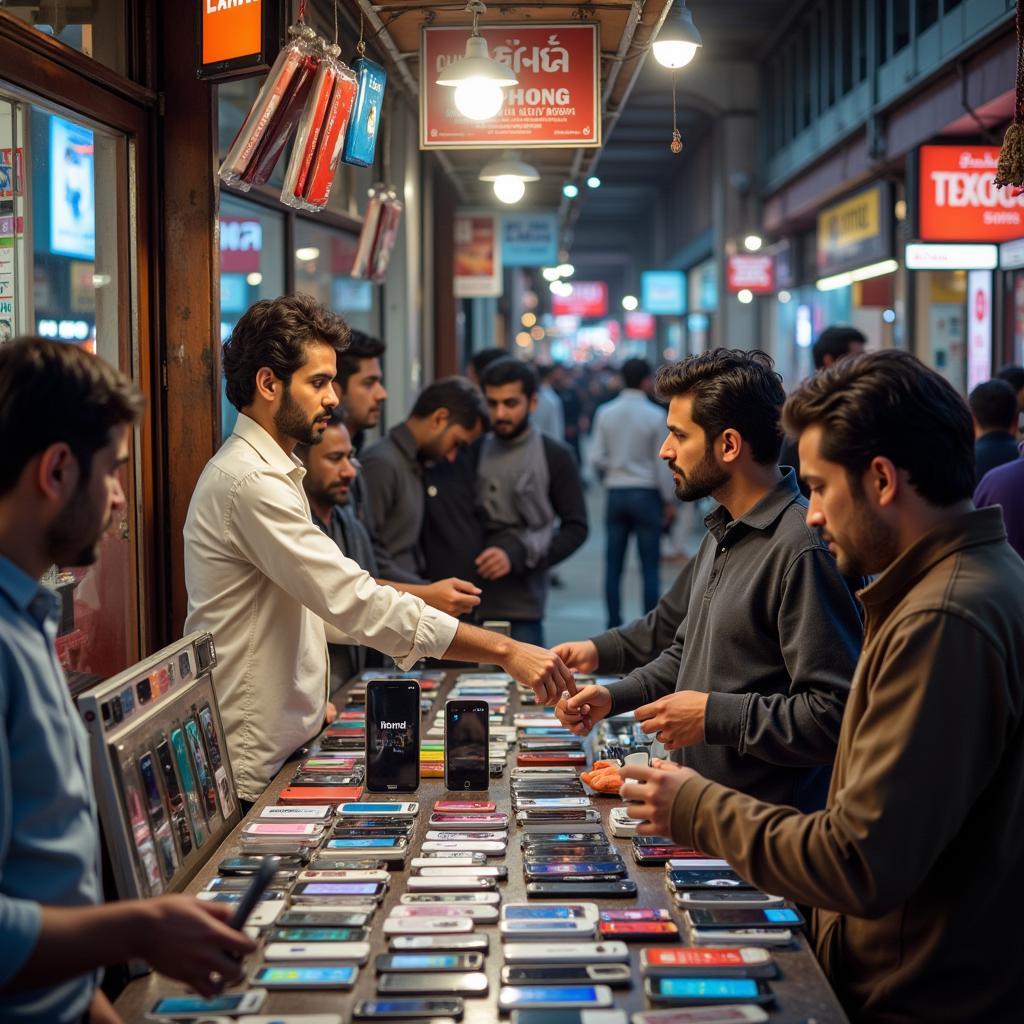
[(566, 270), (509, 175), (630, 302), (509, 189), (307, 253), (478, 79), (678, 39), (784, 296), (255, 279), (745, 295), (550, 274), (752, 243), (593, 181), (570, 191)]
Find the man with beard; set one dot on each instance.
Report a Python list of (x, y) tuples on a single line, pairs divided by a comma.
[(447, 416), (752, 688), (530, 500), (914, 865), (66, 419), (332, 472), (265, 581)]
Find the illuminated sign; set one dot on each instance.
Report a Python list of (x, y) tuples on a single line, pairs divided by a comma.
[(663, 292), (979, 327), (923, 256), (855, 232), (588, 299), (72, 190), (755, 273), (238, 37)]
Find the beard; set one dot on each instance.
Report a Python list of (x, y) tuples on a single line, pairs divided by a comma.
[(871, 544), (73, 538), (705, 478), (511, 433), (292, 422)]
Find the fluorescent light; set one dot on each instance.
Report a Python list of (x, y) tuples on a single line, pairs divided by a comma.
[(945, 256), (829, 284)]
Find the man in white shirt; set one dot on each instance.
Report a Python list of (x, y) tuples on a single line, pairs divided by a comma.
[(627, 436), (265, 581)]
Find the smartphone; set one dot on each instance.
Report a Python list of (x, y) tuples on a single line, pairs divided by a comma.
[(327, 917), (398, 1009), (439, 835), (682, 880), (550, 758), (213, 750), (239, 883), (204, 774), (681, 961), (368, 843), (378, 832), (330, 977), (613, 975), (544, 997), (475, 911), (732, 917), (474, 942), (236, 1004), (379, 810), (179, 822), (545, 869), (365, 890), (402, 963), (345, 875), (468, 822), (460, 883), (446, 859), (319, 935), (624, 888), (698, 991), (566, 952), (490, 899), (466, 744), (259, 885), (742, 899), (158, 820), (392, 735), (732, 1013), (318, 794), (330, 951), (251, 865), (188, 785), (488, 846), (465, 806), (565, 911), (562, 828), (474, 984), (633, 931), (555, 802), (635, 914), (428, 925), (442, 871), (310, 813), (547, 928)]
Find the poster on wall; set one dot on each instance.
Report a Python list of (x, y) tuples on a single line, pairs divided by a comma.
[(556, 101), (477, 256), (72, 190), (979, 327), (529, 239)]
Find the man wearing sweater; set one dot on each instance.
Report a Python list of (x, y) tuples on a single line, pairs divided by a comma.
[(914, 866)]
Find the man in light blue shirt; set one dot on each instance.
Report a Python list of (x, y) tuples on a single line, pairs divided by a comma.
[(65, 420)]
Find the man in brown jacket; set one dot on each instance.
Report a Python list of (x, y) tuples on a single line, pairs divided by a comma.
[(915, 866)]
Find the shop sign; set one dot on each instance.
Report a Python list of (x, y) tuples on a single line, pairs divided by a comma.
[(72, 189), (529, 239), (477, 256), (979, 327), (588, 300), (663, 292), (640, 326), (926, 256), (958, 199), (855, 232), (756, 273), (785, 264), (241, 242), (238, 37), (1011, 254), (555, 103)]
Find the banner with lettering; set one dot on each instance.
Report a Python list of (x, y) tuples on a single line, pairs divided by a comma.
[(556, 102)]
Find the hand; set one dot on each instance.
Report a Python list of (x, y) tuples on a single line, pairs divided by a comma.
[(580, 655), (541, 670), (651, 792), (330, 713), (190, 941), (101, 1012), (493, 563), (454, 596), (676, 720), (579, 713)]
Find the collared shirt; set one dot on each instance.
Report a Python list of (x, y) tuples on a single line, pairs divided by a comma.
[(772, 633), (627, 436), (264, 580), (393, 479), (49, 838)]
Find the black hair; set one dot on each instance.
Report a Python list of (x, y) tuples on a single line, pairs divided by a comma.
[(479, 361), (890, 404), (635, 372), (52, 392), (510, 371), (1013, 375), (360, 346), (463, 401), (836, 342), (274, 333), (994, 405), (731, 388)]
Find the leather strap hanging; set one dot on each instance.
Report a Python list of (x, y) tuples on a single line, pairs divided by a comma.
[(1010, 170)]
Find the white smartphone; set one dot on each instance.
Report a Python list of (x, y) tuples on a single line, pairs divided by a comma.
[(477, 911), (484, 846), (473, 871), (733, 1013), (474, 942), (554, 801), (288, 812), (436, 836), (344, 875), (742, 937), (742, 899), (548, 928), (462, 883), (545, 911), (234, 1003), (554, 997), (428, 925), (264, 914), (566, 952), (379, 810), (351, 952), (455, 860), (491, 899), (283, 829), (696, 864)]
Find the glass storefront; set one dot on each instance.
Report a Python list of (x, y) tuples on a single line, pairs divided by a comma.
[(95, 28), (941, 297)]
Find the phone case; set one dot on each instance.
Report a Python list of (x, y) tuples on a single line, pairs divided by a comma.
[(681, 961), (361, 140)]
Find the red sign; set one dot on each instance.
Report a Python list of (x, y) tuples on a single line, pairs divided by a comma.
[(755, 273), (556, 102), (639, 326), (958, 198), (241, 242), (587, 299)]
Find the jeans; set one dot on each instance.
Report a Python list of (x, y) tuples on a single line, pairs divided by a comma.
[(631, 510), (528, 631)]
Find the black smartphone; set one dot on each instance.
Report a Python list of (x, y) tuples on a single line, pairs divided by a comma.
[(472, 983), (562, 852), (260, 883), (537, 870), (683, 880), (392, 736), (614, 975), (403, 1009), (622, 888), (734, 917), (323, 919), (388, 831), (466, 744), (251, 865)]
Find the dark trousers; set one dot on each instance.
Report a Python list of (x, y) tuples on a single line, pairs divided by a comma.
[(528, 631), (631, 510)]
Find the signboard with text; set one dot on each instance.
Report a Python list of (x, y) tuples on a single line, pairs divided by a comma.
[(856, 231), (640, 326), (241, 242), (959, 201), (588, 299), (529, 239), (663, 292), (979, 327), (754, 272), (238, 37), (477, 256), (555, 103)]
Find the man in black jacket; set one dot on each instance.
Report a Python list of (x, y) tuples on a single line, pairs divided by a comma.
[(530, 501)]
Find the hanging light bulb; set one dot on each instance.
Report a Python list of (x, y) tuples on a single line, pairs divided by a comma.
[(479, 80), (678, 39), (509, 189), (509, 175)]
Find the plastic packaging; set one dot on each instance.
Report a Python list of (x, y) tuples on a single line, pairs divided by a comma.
[(361, 140), (377, 239)]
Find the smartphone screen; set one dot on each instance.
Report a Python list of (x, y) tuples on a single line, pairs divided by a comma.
[(392, 736), (339, 888), (188, 784), (299, 976), (207, 788), (466, 743), (735, 917), (158, 816), (182, 1005), (550, 994), (708, 988), (174, 797), (388, 842)]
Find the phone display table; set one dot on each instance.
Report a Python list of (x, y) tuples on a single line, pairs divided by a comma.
[(802, 993)]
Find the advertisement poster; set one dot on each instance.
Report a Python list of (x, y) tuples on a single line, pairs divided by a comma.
[(588, 299), (855, 232), (663, 292), (979, 327), (241, 243), (556, 101), (755, 273), (477, 256), (72, 196), (529, 239)]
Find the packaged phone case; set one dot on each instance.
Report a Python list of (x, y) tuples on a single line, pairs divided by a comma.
[(282, 94), (361, 140)]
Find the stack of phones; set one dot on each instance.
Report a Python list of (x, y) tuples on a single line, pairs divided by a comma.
[(458, 827), (652, 851), (371, 831), (543, 742), (693, 976), (638, 924)]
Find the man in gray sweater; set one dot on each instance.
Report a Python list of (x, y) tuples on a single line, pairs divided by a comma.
[(753, 684)]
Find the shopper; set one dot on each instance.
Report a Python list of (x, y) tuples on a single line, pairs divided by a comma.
[(625, 442), (264, 580), (994, 411), (1004, 486), (448, 415), (66, 419), (567, 388), (479, 361), (752, 689), (550, 416), (914, 866), (1014, 376), (332, 471), (530, 500)]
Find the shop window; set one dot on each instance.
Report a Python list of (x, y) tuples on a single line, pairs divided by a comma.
[(96, 28), (252, 267), (927, 14), (900, 25)]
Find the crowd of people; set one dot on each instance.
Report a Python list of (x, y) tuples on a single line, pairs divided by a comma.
[(837, 675)]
